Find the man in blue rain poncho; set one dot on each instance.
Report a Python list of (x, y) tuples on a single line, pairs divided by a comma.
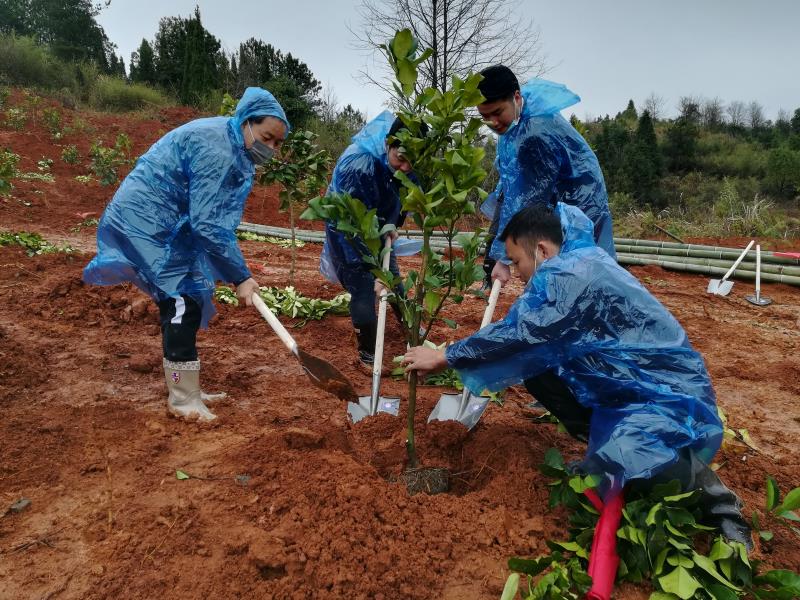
[(171, 230), (366, 172), (605, 357), (541, 159)]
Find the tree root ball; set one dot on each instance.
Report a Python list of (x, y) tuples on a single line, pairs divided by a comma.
[(430, 480)]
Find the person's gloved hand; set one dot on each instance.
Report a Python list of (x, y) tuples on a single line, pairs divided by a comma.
[(488, 265)]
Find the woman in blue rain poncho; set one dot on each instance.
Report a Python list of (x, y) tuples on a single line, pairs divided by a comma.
[(541, 159), (604, 356), (365, 171), (171, 230)]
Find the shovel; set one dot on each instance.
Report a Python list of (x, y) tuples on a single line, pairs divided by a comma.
[(758, 299), (374, 403), (723, 287), (466, 407), (321, 373)]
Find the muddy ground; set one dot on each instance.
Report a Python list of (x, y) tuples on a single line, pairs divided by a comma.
[(286, 498)]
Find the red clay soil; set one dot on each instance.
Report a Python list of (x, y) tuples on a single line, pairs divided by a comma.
[(286, 498)]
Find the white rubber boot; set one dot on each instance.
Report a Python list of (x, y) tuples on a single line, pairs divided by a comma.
[(185, 398)]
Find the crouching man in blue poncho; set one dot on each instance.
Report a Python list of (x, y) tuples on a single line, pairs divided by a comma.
[(541, 159), (171, 230), (593, 346), (366, 171)]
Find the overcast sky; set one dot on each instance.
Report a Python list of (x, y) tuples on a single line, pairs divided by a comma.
[(607, 51)]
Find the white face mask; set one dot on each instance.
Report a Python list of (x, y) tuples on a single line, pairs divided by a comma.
[(517, 114)]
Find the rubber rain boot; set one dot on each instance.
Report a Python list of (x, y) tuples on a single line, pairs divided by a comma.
[(185, 398), (721, 506)]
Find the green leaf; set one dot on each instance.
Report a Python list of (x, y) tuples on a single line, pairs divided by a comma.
[(721, 549), (792, 501), (766, 535), (573, 547), (651, 516), (530, 567), (662, 596), (780, 579), (181, 475), (680, 582), (787, 514), (720, 592), (678, 560), (709, 567), (511, 587)]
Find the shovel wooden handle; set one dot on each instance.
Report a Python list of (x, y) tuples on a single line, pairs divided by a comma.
[(377, 364), (738, 260), (276, 325), (487, 318), (493, 296)]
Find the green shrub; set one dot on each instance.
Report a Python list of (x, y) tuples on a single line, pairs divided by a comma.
[(111, 93), (70, 154), (16, 118), (106, 161), (52, 121), (4, 93), (620, 204), (8, 170), (23, 62)]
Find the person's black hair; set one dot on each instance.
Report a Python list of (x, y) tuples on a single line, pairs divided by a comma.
[(533, 224), (256, 120), (397, 125), (498, 83)]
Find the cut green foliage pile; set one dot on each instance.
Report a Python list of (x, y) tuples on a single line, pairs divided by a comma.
[(291, 303), (256, 237), (32, 242), (655, 542)]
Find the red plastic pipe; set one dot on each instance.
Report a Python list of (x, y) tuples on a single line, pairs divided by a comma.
[(603, 560)]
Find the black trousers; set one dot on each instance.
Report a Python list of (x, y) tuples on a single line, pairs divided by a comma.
[(180, 320), (555, 396)]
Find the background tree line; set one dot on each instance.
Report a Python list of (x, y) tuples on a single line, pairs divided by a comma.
[(663, 162)]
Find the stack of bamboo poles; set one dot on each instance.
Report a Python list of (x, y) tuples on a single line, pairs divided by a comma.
[(689, 258)]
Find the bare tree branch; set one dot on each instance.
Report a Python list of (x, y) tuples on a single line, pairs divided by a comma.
[(464, 35)]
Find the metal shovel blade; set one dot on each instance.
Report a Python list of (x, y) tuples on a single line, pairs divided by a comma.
[(758, 300), (456, 407), (325, 376), (365, 408), (719, 287)]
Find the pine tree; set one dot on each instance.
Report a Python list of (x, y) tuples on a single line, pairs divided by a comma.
[(143, 68), (643, 163)]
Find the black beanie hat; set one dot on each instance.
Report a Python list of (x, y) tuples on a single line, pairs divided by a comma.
[(498, 83)]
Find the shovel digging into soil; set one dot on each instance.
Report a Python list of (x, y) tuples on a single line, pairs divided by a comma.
[(375, 403), (723, 287), (466, 408), (321, 373)]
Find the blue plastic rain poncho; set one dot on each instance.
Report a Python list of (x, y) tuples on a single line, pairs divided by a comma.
[(544, 159), (171, 227), (362, 171), (614, 345)]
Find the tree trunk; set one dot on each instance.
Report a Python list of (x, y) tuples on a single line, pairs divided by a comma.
[(294, 248)]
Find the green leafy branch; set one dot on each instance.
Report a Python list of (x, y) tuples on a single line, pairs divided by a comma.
[(291, 303), (656, 541)]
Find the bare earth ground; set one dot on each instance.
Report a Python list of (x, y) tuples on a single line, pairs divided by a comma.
[(84, 434)]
